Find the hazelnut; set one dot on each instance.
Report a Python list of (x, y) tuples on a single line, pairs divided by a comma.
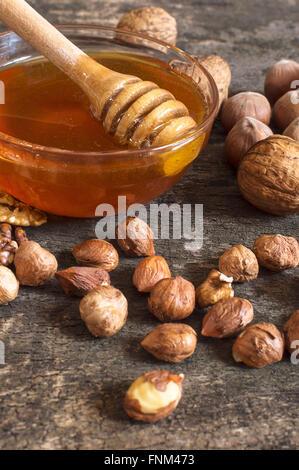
[(291, 332), (277, 252), (245, 133), (79, 280), (217, 286), (149, 271), (268, 175), (9, 285), (171, 342), (34, 265), (153, 396), (243, 104), (151, 21), (286, 109), (259, 345), (279, 78), (104, 311), (172, 299), (227, 317), (293, 130), (240, 263), (97, 254), (135, 237)]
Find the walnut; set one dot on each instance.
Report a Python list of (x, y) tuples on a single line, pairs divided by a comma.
[(153, 396), (15, 212), (104, 311), (240, 263), (172, 299), (217, 286), (79, 280), (135, 237), (268, 175), (96, 254), (171, 342), (151, 21), (227, 317), (149, 271), (259, 345), (277, 252), (8, 247), (291, 332)]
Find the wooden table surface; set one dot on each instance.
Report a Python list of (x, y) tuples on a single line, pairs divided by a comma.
[(63, 389)]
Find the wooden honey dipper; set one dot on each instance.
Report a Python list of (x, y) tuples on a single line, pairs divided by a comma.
[(136, 112)]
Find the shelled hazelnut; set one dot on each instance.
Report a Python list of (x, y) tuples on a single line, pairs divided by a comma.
[(171, 342), (293, 130), (279, 79), (153, 396), (277, 252), (291, 332), (104, 311), (34, 265), (9, 285), (135, 237), (259, 345), (79, 280), (286, 109), (96, 254), (227, 317), (172, 299), (243, 104), (149, 271), (240, 263), (245, 133), (217, 286)]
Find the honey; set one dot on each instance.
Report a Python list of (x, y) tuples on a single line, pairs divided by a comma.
[(44, 107)]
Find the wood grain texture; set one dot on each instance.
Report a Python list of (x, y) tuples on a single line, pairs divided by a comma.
[(63, 389)]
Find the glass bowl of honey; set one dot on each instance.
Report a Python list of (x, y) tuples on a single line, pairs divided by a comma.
[(55, 155)]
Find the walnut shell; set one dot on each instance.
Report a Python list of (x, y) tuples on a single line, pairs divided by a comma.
[(153, 396), (240, 263), (293, 130), (104, 311), (259, 345), (96, 254), (277, 252), (172, 299), (34, 265), (135, 237), (149, 271), (227, 317), (286, 109), (151, 21), (171, 342), (291, 332), (268, 175), (247, 103)]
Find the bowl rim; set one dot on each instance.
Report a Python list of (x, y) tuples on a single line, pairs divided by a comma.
[(56, 152)]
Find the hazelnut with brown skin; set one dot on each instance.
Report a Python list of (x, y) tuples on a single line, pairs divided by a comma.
[(245, 133), (171, 342), (104, 311), (243, 104), (291, 332), (293, 130), (279, 79), (149, 271), (240, 263), (172, 299), (135, 237), (217, 286), (80, 280), (277, 252), (259, 345), (34, 265), (227, 317), (96, 254), (153, 395), (9, 285), (286, 109)]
